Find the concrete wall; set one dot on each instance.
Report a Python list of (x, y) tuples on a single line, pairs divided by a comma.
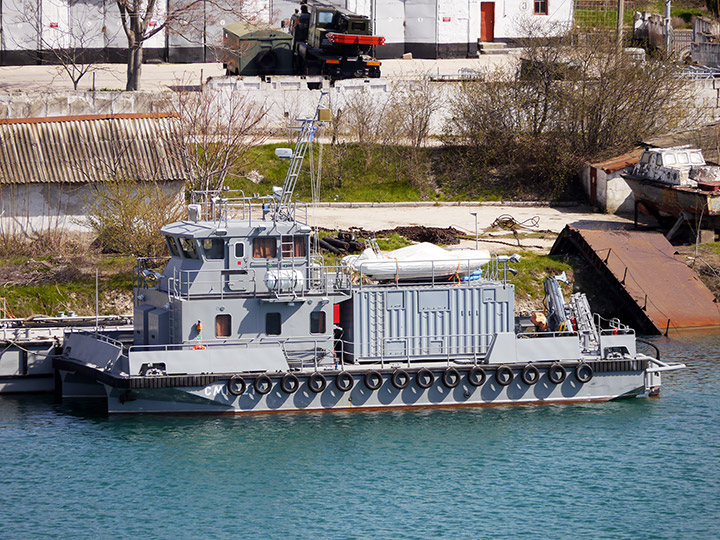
[(26, 208), (612, 194)]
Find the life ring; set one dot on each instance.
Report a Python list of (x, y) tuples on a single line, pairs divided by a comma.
[(373, 380), (451, 377), (400, 379), (236, 385), (344, 381), (424, 378), (262, 384), (317, 382), (504, 375), (199, 347), (584, 372), (530, 374), (289, 383), (557, 373), (476, 376)]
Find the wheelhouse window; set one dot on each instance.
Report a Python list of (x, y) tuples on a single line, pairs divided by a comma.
[(317, 322), (172, 246), (214, 248), (540, 7), (223, 325), (294, 246), (273, 324), (264, 248), (189, 251)]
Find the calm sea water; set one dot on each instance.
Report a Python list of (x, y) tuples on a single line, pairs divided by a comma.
[(643, 468)]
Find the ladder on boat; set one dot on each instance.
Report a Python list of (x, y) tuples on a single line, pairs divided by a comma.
[(307, 129)]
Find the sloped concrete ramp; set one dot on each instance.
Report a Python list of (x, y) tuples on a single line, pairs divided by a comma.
[(662, 292)]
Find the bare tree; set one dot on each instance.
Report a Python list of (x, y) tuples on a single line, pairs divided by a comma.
[(143, 19), (571, 99), (67, 43), (218, 127)]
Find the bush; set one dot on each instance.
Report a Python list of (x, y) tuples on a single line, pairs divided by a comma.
[(127, 216)]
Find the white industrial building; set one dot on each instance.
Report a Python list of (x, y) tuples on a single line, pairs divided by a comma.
[(425, 28)]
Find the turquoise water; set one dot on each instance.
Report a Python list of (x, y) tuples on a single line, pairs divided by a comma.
[(642, 468)]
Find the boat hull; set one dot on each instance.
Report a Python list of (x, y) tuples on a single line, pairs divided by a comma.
[(611, 380)]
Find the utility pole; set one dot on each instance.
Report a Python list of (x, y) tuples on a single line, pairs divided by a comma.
[(620, 21), (668, 28)]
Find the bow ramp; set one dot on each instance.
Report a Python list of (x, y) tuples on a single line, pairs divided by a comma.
[(660, 291)]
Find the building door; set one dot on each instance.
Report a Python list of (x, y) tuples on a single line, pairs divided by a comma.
[(487, 21), (593, 185)]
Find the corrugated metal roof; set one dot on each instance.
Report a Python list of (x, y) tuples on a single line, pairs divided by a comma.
[(620, 162), (80, 149)]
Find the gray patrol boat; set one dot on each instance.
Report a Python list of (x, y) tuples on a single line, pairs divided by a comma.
[(246, 318)]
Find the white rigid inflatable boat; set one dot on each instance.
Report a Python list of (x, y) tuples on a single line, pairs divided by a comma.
[(419, 261)]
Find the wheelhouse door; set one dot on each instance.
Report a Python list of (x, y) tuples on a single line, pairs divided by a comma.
[(238, 276)]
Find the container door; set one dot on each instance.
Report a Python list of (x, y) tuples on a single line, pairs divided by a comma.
[(487, 21)]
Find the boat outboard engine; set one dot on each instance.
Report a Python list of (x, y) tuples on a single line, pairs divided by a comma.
[(555, 304)]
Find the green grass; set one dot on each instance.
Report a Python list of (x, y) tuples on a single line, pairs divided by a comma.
[(532, 271), (357, 179)]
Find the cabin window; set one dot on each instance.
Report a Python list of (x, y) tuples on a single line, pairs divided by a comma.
[(188, 248), (172, 246), (239, 250), (659, 160), (683, 158), (324, 17), (223, 325), (696, 158), (264, 248), (540, 7), (293, 246), (273, 324), (645, 158), (214, 248), (317, 322), (669, 159)]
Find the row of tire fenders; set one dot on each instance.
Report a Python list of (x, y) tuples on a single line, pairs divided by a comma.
[(400, 379)]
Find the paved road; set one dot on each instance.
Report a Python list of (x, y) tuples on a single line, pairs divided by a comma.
[(551, 219), (163, 76)]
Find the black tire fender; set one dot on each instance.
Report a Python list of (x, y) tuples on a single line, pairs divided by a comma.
[(262, 384), (451, 377), (373, 380), (400, 379), (317, 382), (584, 372), (504, 375), (236, 385), (289, 383), (557, 373), (476, 376), (424, 378), (530, 374), (344, 381)]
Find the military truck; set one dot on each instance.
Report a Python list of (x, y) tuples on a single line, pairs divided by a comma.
[(334, 42), (324, 41)]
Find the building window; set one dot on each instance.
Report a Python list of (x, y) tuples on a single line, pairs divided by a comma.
[(317, 322), (273, 324), (264, 248), (223, 325), (540, 7), (214, 248)]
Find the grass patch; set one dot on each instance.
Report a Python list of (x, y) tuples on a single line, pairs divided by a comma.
[(532, 269)]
